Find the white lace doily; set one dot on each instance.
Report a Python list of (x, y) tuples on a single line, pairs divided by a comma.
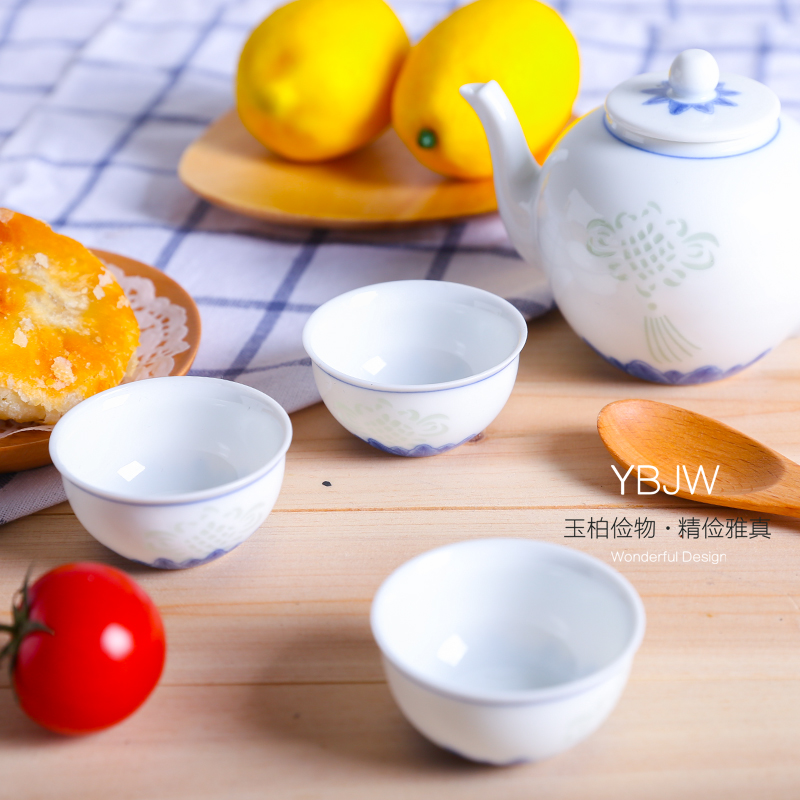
[(162, 326)]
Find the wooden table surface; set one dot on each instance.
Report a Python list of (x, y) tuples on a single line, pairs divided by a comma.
[(273, 685)]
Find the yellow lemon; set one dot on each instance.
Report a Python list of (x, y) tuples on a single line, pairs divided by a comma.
[(522, 44), (315, 77)]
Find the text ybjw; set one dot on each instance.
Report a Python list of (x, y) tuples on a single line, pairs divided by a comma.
[(652, 479)]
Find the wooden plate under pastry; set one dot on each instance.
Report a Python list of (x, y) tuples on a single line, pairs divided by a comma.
[(30, 448), (381, 184)]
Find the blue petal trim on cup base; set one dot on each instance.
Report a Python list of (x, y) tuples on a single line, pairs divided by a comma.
[(166, 563), (420, 451), (646, 372)]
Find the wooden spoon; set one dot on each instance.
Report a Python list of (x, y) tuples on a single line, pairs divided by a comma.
[(751, 476)]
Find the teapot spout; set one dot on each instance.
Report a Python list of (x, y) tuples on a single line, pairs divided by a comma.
[(516, 173)]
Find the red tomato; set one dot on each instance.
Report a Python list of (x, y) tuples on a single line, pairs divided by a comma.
[(104, 655)]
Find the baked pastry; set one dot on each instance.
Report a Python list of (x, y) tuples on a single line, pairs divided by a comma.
[(67, 330)]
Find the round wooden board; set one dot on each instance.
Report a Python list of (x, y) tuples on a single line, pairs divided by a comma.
[(380, 185), (29, 449)]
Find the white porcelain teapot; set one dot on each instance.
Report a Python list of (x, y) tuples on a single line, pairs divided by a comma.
[(668, 222)]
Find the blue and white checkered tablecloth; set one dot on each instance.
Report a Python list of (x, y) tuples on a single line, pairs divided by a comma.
[(98, 99)]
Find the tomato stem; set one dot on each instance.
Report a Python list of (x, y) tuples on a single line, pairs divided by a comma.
[(22, 625)]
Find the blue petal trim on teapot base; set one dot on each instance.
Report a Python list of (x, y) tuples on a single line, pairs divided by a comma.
[(166, 563), (673, 377), (420, 451)]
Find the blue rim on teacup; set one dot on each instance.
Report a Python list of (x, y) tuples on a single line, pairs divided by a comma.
[(311, 330), (84, 409)]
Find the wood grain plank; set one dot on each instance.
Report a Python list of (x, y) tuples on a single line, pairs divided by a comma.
[(351, 742)]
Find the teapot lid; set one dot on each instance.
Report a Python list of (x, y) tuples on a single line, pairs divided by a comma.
[(693, 111)]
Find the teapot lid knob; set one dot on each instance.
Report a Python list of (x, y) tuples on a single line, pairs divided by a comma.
[(694, 76)]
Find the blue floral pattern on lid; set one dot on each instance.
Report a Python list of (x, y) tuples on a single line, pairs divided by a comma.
[(661, 95)]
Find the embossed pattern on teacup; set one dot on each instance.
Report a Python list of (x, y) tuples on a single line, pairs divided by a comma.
[(212, 529), (391, 426)]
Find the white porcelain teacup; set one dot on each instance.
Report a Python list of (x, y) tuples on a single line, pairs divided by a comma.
[(173, 472), (415, 367), (507, 650)]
